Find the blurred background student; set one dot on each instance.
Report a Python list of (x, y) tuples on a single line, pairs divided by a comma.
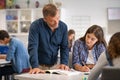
[(71, 37), (113, 57), (88, 48), (17, 54)]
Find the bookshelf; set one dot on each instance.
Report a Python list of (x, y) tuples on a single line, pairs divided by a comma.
[(18, 20)]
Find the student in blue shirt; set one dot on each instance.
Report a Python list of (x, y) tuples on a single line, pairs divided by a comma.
[(88, 48), (17, 54), (46, 36)]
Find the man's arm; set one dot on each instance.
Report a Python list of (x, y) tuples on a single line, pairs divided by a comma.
[(33, 45), (64, 52)]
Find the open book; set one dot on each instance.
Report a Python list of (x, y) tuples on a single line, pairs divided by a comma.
[(62, 72)]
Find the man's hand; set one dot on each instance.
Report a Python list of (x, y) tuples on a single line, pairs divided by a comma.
[(63, 67), (36, 71)]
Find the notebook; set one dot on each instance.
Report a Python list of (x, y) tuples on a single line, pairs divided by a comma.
[(62, 72)]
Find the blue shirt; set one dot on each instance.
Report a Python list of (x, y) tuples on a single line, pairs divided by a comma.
[(43, 44), (3, 49), (80, 52), (18, 54)]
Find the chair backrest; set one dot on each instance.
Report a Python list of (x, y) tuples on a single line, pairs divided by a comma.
[(70, 60), (110, 73)]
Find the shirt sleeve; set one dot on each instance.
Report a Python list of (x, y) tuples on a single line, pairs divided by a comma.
[(76, 57), (95, 72), (11, 51), (101, 49), (33, 45), (64, 52)]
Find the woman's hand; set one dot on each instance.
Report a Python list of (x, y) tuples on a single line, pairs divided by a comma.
[(85, 69), (81, 68), (90, 65)]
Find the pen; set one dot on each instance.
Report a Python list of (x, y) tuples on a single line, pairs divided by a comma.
[(83, 63)]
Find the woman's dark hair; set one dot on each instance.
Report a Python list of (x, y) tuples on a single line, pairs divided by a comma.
[(114, 46), (3, 34), (98, 32)]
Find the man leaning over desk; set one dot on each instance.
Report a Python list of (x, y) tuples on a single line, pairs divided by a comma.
[(46, 36)]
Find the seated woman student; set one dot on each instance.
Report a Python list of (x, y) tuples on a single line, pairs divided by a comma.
[(17, 54), (71, 37), (88, 48), (113, 51)]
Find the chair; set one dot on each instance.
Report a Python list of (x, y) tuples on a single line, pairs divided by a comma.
[(110, 73), (70, 60)]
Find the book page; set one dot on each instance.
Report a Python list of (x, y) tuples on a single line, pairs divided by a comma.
[(62, 72)]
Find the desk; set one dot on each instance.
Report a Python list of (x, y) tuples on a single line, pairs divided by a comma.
[(28, 76), (3, 62)]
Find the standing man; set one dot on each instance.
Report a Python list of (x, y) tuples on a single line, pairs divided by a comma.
[(46, 36)]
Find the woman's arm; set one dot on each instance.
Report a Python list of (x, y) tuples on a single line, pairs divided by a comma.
[(77, 62)]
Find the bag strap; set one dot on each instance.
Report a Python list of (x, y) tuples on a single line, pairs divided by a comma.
[(109, 59)]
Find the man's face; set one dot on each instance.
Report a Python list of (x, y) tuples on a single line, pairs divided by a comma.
[(53, 21), (4, 42)]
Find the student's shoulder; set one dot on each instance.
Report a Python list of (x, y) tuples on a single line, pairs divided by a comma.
[(16, 40), (101, 46), (38, 21), (62, 23), (79, 41)]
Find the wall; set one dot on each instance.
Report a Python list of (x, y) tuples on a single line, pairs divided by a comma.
[(80, 14), (97, 10), (94, 10)]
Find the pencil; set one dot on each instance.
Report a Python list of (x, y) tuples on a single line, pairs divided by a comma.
[(83, 63)]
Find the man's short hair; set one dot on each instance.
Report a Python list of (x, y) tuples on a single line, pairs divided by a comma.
[(49, 10)]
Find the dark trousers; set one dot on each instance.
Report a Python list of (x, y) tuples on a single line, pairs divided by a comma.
[(6, 71)]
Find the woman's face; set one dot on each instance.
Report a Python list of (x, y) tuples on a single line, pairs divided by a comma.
[(90, 40)]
